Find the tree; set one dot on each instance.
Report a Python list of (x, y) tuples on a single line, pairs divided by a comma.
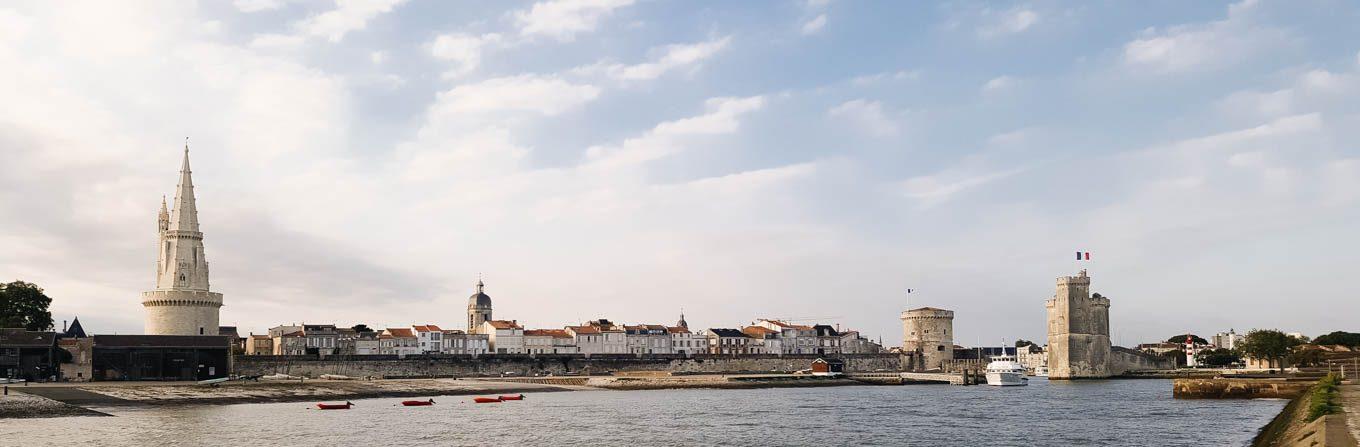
[(1303, 356), (1217, 357), (1338, 338), (1022, 342), (1180, 339), (1177, 356), (24, 305), (1268, 344), (361, 328)]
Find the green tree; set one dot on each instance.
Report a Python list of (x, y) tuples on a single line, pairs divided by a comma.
[(1180, 339), (1302, 356), (1217, 357), (1338, 338), (24, 305), (1268, 344), (361, 328), (1022, 342), (1176, 355)]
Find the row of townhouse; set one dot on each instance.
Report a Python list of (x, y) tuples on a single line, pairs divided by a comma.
[(764, 336)]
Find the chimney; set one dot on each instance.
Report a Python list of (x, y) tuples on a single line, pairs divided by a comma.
[(63, 326)]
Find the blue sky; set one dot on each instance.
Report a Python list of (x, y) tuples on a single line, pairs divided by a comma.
[(365, 161)]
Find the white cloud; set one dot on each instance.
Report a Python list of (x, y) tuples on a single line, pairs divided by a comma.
[(348, 15), (257, 5), (901, 75), (523, 93), (671, 57), (1199, 47), (815, 25), (865, 115), (999, 83), (935, 189), (564, 19), (464, 51), (722, 117), (1008, 22), (277, 41), (377, 57)]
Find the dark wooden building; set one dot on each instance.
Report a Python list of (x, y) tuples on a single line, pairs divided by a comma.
[(28, 355), (161, 357)]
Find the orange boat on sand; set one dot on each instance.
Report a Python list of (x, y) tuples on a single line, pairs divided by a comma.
[(514, 397), (486, 400), (344, 406), (417, 403)]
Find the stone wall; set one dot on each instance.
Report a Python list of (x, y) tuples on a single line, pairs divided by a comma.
[(1124, 360), (525, 365)]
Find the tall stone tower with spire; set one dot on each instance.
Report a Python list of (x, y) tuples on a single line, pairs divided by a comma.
[(181, 303)]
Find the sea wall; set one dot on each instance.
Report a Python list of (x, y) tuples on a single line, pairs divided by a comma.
[(1238, 388), (526, 365), (1124, 360)]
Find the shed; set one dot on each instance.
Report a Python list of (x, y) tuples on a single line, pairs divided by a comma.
[(828, 367)]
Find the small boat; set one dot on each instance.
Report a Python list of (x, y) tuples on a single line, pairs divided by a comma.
[(514, 397), (486, 400), (344, 406), (1041, 371), (417, 403), (1005, 371), (213, 382)]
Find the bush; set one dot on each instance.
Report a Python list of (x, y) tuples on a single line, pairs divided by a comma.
[(1322, 398)]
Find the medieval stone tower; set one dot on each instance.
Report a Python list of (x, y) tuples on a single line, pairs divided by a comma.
[(478, 310), (930, 332), (1078, 331), (181, 303)]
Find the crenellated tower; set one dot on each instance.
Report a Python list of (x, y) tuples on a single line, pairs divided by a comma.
[(1078, 330), (181, 304)]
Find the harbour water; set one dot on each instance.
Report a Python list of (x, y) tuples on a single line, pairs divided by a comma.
[(1115, 412)]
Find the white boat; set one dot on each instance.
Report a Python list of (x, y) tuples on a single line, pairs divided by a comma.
[(1005, 371), (1041, 371)]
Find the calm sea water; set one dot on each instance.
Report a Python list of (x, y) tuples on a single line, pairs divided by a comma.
[(1116, 412)]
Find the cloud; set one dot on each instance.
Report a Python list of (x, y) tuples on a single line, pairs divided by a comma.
[(935, 189), (722, 117), (1202, 47), (1003, 23), (865, 115), (249, 6), (277, 41), (815, 25), (348, 16), (901, 75), (564, 19), (543, 95), (464, 51), (999, 83), (670, 57)]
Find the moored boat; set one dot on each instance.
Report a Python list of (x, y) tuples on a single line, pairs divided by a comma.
[(486, 400), (1005, 371), (326, 406), (513, 397), (417, 403)]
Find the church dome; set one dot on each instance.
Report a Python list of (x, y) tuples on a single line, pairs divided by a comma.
[(479, 299)]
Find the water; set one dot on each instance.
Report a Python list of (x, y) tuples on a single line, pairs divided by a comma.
[(1116, 412)]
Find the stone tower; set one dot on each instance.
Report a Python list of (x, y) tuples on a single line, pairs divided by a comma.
[(929, 331), (1078, 331), (479, 309), (181, 303)]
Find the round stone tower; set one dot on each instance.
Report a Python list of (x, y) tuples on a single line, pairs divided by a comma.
[(478, 310), (181, 304), (929, 331)]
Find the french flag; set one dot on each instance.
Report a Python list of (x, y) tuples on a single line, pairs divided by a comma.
[(1083, 256)]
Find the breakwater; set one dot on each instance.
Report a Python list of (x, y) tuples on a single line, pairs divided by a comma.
[(1224, 388), (538, 365)]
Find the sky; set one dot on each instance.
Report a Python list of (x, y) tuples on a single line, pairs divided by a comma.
[(368, 161)]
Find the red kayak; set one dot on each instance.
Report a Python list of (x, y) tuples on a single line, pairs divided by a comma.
[(417, 403), (515, 397), (486, 400), (344, 406)]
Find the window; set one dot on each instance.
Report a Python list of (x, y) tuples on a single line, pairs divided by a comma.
[(200, 330)]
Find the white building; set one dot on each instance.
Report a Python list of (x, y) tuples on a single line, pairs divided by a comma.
[(506, 336), (398, 341), (181, 304), (764, 340), (1228, 340), (367, 343), (429, 337), (549, 341), (794, 338), (588, 339), (648, 339), (685, 342)]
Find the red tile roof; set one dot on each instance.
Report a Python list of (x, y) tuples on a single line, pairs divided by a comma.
[(758, 331), (426, 328), (400, 332), (677, 330), (504, 324), (554, 333), (584, 329)]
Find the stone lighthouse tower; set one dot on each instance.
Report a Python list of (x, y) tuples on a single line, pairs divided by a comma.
[(478, 310), (181, 303), (930, 332), (1078, 330)]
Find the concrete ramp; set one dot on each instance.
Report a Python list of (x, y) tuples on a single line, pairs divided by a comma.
[(70, 395)]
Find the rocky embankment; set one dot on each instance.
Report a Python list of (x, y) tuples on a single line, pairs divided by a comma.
[(1225, 388), (18, 405)]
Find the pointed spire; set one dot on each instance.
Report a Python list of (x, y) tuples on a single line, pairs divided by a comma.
[(163, 219), (184, 217), (480, 285)]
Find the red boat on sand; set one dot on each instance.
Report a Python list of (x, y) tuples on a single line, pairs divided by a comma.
[(344, 406), (417, 403), (514, 397), (486, 400)]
